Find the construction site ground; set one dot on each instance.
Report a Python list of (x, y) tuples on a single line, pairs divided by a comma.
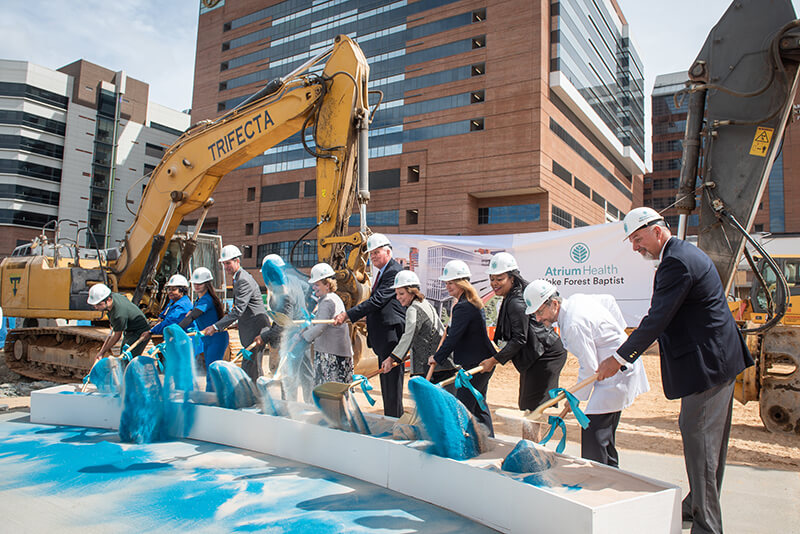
[(762, 484)]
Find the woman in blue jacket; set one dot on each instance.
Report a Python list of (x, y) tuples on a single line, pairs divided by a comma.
[(466, 337), (207, 310), (178, 306)]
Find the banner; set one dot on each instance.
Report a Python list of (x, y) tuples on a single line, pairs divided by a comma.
[(591, 259)]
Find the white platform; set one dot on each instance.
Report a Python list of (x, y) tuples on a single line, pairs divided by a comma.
[(598, 499)]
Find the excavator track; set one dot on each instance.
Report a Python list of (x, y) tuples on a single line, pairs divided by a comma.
[(58, 354)]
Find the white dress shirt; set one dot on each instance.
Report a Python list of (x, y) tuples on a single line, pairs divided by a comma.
[(592, 330)]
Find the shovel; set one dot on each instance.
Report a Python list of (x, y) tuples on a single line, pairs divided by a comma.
[(285, 321), (125, 354), (245, 353), (580, 385)]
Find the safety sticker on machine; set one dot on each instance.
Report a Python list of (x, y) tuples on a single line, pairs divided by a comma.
[(761, 141)]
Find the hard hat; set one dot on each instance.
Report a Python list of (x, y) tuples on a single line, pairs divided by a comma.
[(202, 275), (97, 294), (406, 278), (230, 252), (455, 269), (321, 271), (502, 262), (277, 260), (639, 218), (537, 294), (177, 280), (377, 241)]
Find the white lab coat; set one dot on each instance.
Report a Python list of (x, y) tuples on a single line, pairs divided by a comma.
[(592, 329)]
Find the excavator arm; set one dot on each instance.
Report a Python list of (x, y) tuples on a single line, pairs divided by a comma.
[(334, 103)]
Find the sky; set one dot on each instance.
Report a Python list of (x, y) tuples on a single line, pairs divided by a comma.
[(154, 40)]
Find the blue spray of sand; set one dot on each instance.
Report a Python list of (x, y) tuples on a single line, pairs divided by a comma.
[(451, 427), (180, 380), (142, 403), (106, 375), (233, 387)]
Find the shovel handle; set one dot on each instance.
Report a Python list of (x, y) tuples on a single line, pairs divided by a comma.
[(452, 379), (314, 321), (580, 385), (430, 372), (249, 348)]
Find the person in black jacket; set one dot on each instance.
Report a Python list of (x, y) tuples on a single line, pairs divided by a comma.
[(702, 351), (385, 322), (535, 349), (466, 337)]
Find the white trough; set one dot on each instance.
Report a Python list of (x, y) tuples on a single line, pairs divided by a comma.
[(586, 498)]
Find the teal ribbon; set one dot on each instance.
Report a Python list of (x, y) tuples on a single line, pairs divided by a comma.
[(556, 421), (192, 329), (126, 353), (158, 348), (463, 380), (365, 387)]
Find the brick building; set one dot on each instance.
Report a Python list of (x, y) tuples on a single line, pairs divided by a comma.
[(497, 117)]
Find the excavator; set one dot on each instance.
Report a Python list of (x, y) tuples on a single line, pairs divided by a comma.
[(741, 93), (332, 105)]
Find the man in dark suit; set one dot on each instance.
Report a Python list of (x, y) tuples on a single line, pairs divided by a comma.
[(248, 309), (702, 351), (386, 320)]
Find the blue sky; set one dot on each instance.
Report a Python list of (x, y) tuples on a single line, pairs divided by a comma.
[(154, 40)]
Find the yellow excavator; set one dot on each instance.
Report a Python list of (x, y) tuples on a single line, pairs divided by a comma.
[(741, 94), (49, 284)]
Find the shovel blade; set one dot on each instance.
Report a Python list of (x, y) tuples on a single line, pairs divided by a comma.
[(330, 399)]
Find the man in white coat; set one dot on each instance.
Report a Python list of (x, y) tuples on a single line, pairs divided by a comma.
[(592, 329)]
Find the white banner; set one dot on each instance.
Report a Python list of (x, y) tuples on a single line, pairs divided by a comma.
[(592, 259)]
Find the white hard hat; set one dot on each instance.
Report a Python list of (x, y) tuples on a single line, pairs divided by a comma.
[(406, 278), (321, 271), (639, 218), (537, 294), (502, 262), (455, 269), (201, 275), (377, 241), (277, 260), (98, 293), (230, 252), (177, 280)]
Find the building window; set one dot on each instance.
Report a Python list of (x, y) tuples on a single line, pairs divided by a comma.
[(251, 194), (412, 216), (223, 86), (271, 193), (247, 251), (597, 199), (305, 253), (562, 173), (226, 27), (248, 229), (478, 69), (221, 106), (310, 188), (154, 151), (479, 42), (413, 174), (226, 46), (579, 223), (758, 228), (281, 225), (377, 218), (475, 125), (509, 214), (582, 187), (477, 97), (386, 179), (479, 15), (223, 66), (561, 217)]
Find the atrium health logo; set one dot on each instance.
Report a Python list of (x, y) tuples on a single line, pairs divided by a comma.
[(579, 252)]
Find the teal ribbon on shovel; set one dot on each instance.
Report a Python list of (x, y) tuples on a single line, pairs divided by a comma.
[(557, 422), (463, 380), (365, 387)]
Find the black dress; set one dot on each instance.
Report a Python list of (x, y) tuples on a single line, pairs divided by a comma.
[(536, 350)]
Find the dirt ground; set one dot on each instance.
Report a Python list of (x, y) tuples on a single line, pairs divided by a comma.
[(650, 424)]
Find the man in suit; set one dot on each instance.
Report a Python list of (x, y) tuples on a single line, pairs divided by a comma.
[(248, 309), (702, 351), (385, 322)]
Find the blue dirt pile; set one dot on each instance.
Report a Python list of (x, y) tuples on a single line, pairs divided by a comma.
[(233, 387), (106, 375), (452, 429), (142, 403), (527, 458)]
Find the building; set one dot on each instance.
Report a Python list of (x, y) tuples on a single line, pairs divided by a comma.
[(497, 117), (76, 145), (777, 212)]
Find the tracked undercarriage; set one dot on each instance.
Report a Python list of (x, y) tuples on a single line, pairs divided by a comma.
[(59, 354)]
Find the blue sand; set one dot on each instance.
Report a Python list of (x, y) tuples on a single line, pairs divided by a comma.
[(272, 396), (358, 421), (142, 403), (448, 423), (526, 458), (233, 387), (106, 375), (180, 373), (188, 486), (273, 274)]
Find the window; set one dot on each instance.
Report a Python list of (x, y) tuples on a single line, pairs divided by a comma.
[(223, 66), (479, 42), (377, 218), (226, 27), (579, 223), (562, 173), (310, 188), (221, 106), (413, 174), (251, 194), (154, 151), (478, 69), (479, 15), (271, 193), (163, 128), (248, 229), (304, 255), (148, 169), (509, 214), (412, 216), (477, 97), (247, 251), (386, 179), (26, 168), (597, 199), (758, 228), (561, 217), (582, 187), (475, 125), (301, 223)]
